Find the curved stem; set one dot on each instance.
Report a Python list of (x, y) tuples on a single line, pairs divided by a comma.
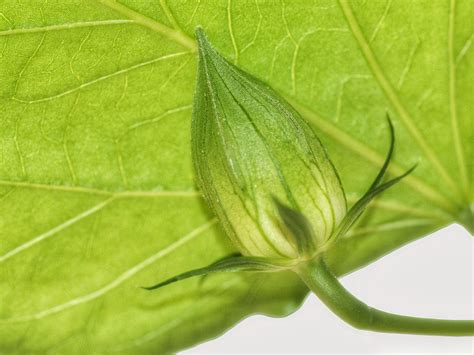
[(326, 286)]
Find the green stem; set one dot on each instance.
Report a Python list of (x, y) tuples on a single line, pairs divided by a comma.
[(326, 286)]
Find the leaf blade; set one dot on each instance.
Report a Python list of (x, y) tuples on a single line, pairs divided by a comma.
[(71, 142)]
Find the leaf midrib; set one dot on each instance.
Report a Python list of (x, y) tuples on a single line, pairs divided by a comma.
[(64, 26), (100, 192)]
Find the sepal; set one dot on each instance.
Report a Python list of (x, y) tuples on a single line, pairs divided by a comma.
[(297, 227), (375, 189), (231, 263)]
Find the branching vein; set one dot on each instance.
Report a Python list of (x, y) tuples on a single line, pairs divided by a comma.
[(64, 26), (231, 32), (55, 230), (99, 192), (102, 78), (173, 34), (126, 275)]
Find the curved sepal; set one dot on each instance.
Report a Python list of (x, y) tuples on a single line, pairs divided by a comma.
[(231, 263), (375, 189)]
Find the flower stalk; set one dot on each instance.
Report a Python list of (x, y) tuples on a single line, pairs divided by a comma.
[(322, 282)]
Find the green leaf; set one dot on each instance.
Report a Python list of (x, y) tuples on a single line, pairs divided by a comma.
[(97, 193)]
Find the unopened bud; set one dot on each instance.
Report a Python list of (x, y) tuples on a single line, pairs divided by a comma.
[(251, 149)]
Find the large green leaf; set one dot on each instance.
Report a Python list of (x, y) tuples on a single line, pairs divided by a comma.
[(97, 194)]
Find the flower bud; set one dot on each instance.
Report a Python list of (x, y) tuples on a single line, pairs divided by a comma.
[(250, 149)]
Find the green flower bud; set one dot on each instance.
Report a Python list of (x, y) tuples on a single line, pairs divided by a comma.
[(260, 166)]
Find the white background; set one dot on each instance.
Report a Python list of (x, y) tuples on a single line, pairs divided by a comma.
[(431, 277)]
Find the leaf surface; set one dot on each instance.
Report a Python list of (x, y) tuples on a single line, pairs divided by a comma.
[(97, 193)]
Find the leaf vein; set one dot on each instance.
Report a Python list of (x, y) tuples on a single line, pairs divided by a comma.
[(464, 49), (392, 95), (452, 100), (389, 227), (406, 209), (381, 21), (408, 65), (124, 276), (99, 192), (65, 26), (27, 63), (231, 32), (172, 34), (257, 30), (102, 78), (53, 231)]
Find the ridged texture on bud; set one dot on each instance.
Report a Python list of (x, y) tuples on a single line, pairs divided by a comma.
[(251, 147)]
